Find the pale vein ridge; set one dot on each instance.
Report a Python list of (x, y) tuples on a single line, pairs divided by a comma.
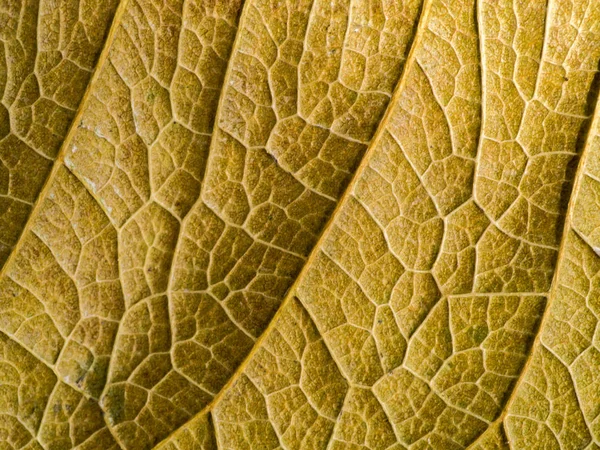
[(579, 175), (422, 23), (58, 162)]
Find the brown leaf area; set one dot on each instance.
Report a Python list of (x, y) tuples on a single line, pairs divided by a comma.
[(301, 224)]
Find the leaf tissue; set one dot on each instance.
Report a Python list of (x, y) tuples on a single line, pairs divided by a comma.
[(299, 224)]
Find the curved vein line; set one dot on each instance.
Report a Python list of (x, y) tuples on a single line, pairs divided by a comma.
[(579, 175), (213, 143), (58, 162), (422, 22)]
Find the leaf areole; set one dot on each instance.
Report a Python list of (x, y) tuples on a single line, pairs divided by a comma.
[(311, 224)]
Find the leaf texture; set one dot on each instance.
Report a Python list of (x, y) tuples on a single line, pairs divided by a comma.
[(49, 50), (301, 224)]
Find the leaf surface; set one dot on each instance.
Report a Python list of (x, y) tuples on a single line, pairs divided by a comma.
[(306, 224)]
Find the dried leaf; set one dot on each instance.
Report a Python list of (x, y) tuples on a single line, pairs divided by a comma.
[(309, 224)]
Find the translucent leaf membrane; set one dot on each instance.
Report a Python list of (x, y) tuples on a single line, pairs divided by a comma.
[(353, 224)]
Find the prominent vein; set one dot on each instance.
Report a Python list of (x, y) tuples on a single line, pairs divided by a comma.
[(325, 232), (58, 162), (579, 175)]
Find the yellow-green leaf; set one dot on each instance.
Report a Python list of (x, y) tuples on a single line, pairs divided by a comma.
[(301, 224)]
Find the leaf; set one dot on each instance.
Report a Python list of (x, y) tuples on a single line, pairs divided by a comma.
[(307, 224), (48, 54)]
